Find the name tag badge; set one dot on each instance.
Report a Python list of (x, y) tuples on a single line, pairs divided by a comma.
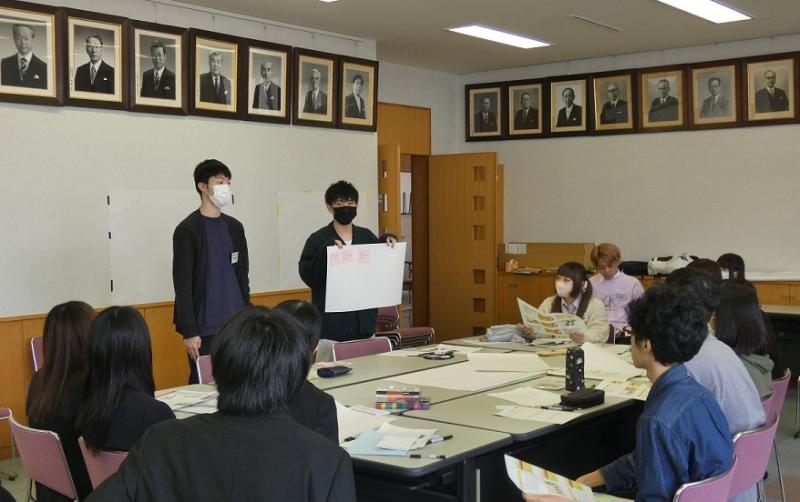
[(234, 257)]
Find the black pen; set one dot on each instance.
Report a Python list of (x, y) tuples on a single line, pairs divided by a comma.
[(438, 457), (559, 407), (439, 439)]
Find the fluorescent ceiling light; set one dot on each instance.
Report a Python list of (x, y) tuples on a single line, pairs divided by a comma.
[(498, 36), (328, 1), (709, 10)]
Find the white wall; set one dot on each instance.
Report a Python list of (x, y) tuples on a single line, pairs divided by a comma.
[(704, 192), (59, 163)]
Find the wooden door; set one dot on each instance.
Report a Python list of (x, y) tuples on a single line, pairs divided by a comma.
[(462, 191), (389, 189)]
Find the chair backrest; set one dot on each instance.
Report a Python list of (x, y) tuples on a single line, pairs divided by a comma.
[(205, 374), (388, 318), (753, 449), (779, 388), (100, 463), (43, 458), (707, 490), (37, 352), (358, 348)]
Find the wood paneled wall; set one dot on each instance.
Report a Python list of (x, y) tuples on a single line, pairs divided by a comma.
[(170, 366)]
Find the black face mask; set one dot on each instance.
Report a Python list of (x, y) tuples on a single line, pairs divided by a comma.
[(344, 214)]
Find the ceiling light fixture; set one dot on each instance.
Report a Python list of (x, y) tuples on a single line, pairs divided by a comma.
[(709, 10), (501, 37), (594, 22), (328, 1)]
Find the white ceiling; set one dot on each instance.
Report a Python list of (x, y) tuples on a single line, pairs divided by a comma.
[(412, 32)]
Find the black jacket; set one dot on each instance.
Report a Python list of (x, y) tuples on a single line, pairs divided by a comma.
[(103, 81), (136, 412), (223, 457), (189, 257), (315, 410), (339, 326)]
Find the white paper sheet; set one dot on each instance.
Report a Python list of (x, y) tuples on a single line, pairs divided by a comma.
[(598, 359), (364, 276), (625, 388), (401, 443), (528, 396), (535, 480), (422, 435), (179, 399), (353, 421), (461, 376), (547, 324), (525, 363), (536, 414)]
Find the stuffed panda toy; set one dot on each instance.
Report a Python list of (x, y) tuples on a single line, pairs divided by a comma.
[(663, 265)]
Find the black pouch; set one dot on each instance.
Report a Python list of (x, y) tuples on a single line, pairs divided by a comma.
[(333, 371), (584, 398)]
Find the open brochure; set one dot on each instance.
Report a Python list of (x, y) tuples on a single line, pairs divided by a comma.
[(546, 324), (537, 481)]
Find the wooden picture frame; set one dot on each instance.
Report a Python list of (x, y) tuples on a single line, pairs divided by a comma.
[(267, 92), (662, 99), (485, 117), (525, 101), (316, 86), (570, 117), (38, 31), (214, 74), (614, 99), (358, 108), (158, 64), (95, 65), (762, 106), (714, 94)]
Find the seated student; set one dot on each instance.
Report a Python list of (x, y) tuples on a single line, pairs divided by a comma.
[(709, 266), (741, 326), (119, 403), (250, 449), (56, 390), (611, 286), (682, 435), (732, 266), (310, 406), (574, 296)]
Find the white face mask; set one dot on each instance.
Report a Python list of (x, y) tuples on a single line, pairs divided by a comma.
[(222, 195), (563, 289), (725, 275)]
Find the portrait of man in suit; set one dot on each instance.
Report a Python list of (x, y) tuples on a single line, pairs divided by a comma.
[(526, 117), (316, 98), (96, 75), (214, 86), (354, 106), (664, 107), (771, 98), (159, 81), (570, 115), (267, 95), (24, 69), (615, 109), (716, 105), (485, 120)]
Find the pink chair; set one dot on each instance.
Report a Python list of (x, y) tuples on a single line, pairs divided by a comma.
[(388, 323), (204, 370), (100, 463), (359, 348), (42, 458), (388, 318), (772, 407), (37, 352), (753, 449), (711, 489)]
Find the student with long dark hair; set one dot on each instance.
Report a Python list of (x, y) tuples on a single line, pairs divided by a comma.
[(119, 404), (574, 296), (732, 266), (251, 449), (741, 326), (311, 407), (55, 392)]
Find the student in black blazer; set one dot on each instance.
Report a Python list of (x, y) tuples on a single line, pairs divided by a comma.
[(250, 449), (119, 404), (56, 390), (103, 80), (311, 407)]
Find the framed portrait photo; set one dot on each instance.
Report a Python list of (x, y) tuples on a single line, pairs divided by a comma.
[(358, 99), (569, 103), (525, 109), (485, 114), (268, 87), (771, 89), (315, 88), (30, 41), (158, 68), (95, 60), (714, 95), (661, 99), (614, 103), (214, 74)]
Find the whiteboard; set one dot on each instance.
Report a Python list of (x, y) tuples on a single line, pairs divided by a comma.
[(299, 214)]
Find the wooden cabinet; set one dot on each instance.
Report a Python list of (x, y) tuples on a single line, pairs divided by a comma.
[(778, 293), (531, 288)]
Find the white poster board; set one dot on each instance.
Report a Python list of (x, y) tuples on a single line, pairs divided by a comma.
[(364, 276), (299, 215)]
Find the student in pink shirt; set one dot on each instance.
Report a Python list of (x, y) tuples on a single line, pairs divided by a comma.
[(611, 286)]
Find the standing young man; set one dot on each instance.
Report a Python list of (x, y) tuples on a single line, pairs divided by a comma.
[(341, 199), (209, 264)]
